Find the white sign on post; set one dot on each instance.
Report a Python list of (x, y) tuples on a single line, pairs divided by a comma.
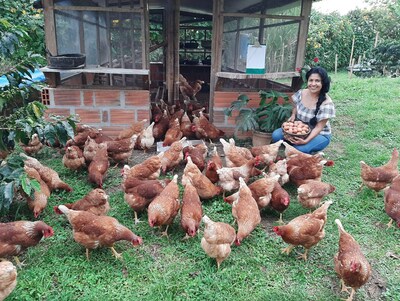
[(255, 63)]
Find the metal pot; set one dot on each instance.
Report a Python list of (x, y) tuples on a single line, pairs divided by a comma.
[(67, 61), (207, 60), (191, 45), (206, 44)]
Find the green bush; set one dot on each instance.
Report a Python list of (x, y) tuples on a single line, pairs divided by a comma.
[(387, 58)]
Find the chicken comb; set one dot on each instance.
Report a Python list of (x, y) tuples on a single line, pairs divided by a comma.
[(329, 163)]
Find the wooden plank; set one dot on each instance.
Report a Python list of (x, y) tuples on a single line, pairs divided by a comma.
[(99, 9), (216, 50), (272, 76), (303, 31), (175, 46), (268, 16), (145, 34), (81, 33), (172, 65), (50, 27), (53, 79), (98, 70)]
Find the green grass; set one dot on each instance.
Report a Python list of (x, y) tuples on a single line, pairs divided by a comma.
[(366, 128)]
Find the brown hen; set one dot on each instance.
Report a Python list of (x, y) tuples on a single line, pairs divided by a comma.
[(148, 169), (392, 201), (191, 211), (305, 230), (73, 158), (16, 237), (163, 209), (8, 278), (173, 133), (33, 146), (48, 175), (217, 239), (173, 156), (205, 188), (140, 196), (310, 194), (245, 211), (93, 231), (213, 164), (350, 263), (96, 202), (98, 167), (40, 197), (377, 178)]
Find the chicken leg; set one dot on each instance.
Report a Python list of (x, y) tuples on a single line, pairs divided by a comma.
[(19, 263), (344, 287), (165, 233), (136, 218), (87, 254), (219, 262), (350, 298), (390, 223), (115, 253), (303, 256), (288, 249), (280, 221)]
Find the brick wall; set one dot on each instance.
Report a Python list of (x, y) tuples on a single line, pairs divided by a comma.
[(110, 110), (223, 100)]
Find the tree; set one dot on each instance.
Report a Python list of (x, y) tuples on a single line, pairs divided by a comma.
[(329, 35)]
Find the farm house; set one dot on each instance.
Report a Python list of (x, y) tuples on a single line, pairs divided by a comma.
[(135, 51)]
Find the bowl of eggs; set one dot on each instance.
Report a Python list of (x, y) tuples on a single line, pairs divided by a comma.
[(295, 129)]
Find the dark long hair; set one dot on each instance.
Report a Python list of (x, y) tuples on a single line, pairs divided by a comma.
[(326, 83)]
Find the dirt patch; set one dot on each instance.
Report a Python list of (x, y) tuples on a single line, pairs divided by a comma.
[(268, 222), (154, 251), (376, 286)]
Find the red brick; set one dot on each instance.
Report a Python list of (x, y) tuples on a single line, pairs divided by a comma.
[(224, 99), (89, 116), (231, 120), (107, 98), (122, 116), (105, 117), (137, 98), (143, 114), (218, 117), (88, 98), (61, 112), (112, 131), (67, 97)]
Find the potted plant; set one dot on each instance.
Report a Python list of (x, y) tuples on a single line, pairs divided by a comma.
[(263, 119)]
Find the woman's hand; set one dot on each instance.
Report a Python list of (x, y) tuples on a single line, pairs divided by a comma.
[(296, 140), (292, 118)]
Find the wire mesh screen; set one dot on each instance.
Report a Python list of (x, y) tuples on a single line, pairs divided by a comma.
[(279, 35), (108, 38)]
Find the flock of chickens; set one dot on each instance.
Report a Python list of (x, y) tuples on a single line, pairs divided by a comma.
[(254, 179)]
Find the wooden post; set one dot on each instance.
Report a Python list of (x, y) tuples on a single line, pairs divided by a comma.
[(283, 56), (359, 60), (376, 39), (351, 68), (352, 50), (336, 61)]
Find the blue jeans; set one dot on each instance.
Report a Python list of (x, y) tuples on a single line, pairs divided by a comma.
[(315, 145)]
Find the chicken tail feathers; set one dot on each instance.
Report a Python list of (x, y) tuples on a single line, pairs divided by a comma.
[(63, 209), (340, 226)]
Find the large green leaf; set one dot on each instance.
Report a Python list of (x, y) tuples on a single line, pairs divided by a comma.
[(68, 128), (8, 194), (50, 133)]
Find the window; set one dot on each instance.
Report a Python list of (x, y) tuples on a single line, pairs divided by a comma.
[(275, 27), (109, 33)]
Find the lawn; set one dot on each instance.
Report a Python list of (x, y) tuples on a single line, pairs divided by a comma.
[(365, 128)]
